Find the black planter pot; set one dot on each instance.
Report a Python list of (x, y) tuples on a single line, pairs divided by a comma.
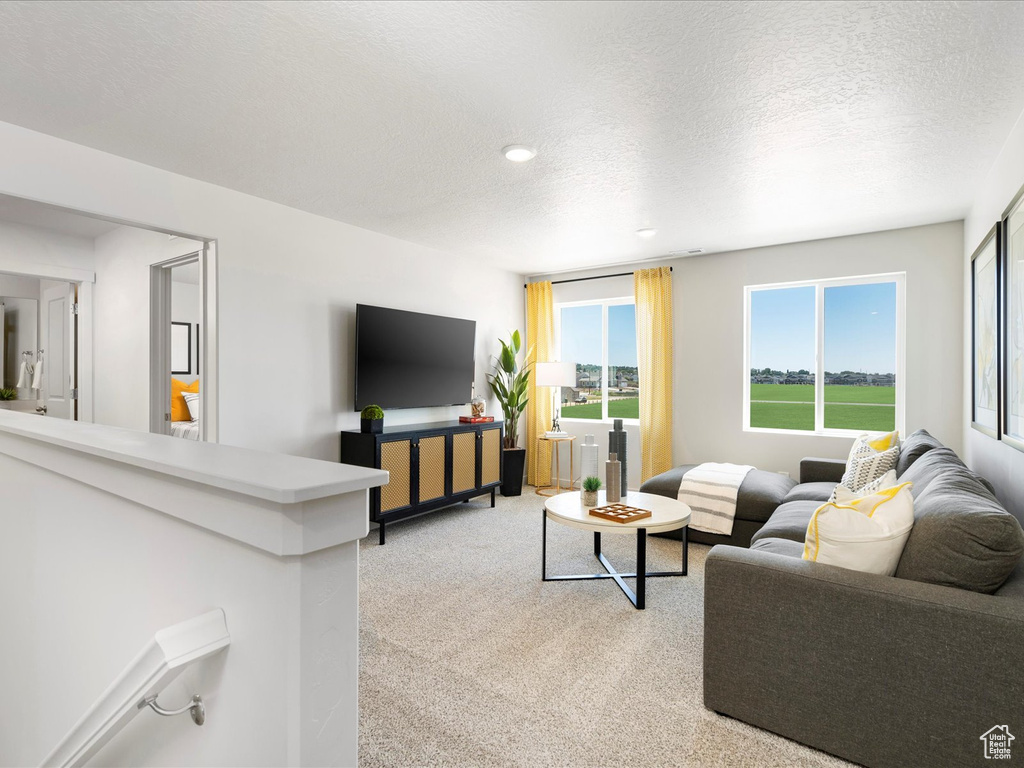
[(371, 426), (512, 462)]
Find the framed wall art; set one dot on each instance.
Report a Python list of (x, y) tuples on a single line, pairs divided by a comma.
[(985, 335), (181, 348), (1011, 242)]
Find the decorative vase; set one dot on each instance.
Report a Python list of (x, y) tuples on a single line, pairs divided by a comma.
[(613, 476), (588, 457), (589, 498), (617, 446), (371, 426), (512, 462)]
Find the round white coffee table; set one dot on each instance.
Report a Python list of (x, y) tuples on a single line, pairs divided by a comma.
[(666, 515)]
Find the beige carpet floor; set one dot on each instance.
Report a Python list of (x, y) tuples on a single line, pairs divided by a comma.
[(468, 659)]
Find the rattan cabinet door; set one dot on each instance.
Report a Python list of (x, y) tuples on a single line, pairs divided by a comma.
[(396, 458), (463, 461), (490, 457), (431, 474)]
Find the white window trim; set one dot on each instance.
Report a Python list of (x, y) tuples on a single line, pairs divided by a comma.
[(604, 304), (900, 279)]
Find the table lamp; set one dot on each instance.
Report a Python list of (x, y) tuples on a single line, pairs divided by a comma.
[(555, 375)]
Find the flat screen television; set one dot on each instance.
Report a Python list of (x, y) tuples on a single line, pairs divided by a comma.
[(412, 360)]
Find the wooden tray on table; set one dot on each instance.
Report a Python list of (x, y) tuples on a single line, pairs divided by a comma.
[(620, 513)]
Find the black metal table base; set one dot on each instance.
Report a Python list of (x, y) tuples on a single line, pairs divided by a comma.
[(638, 598)]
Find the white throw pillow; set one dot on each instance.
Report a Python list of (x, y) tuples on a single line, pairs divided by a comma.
[(864, 534), (844, 495), (192, 401), (869, 460)]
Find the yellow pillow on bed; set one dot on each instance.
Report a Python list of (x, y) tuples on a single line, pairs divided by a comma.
[(179, 408)]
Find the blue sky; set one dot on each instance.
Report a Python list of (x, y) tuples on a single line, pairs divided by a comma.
[(581, 335), (860, 328)]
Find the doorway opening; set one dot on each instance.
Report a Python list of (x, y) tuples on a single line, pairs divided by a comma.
[(181, 403)]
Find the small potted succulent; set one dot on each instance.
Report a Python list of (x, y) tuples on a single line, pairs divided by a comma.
[(591, 485), (371, 420), (8, 394)]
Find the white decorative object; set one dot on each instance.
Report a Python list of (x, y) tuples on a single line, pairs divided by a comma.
[(589, 457), (863, 534)]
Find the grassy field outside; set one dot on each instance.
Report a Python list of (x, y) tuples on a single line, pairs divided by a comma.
[(834, 393), (626, 408), (791, 406)]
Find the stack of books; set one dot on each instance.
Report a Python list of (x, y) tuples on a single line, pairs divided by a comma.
[(556, 434), (476, 419)]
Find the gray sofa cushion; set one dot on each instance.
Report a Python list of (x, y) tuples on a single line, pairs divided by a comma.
[(929, 467), (820, 492), (785, 547), (962, 537), (913, 448), (789, 521), (760, 493)]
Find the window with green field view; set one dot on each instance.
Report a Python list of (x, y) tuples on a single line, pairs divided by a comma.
[(823, 356), (600, 338)]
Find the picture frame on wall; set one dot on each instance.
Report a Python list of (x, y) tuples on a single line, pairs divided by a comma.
[(985, 335), (1011, 247), (181, 349)]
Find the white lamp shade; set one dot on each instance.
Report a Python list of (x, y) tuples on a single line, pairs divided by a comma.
[(555, 374)]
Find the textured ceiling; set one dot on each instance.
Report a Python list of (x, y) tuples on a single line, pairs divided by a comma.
[(723, 125)]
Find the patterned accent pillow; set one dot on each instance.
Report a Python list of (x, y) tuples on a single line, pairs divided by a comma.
[(843, 495), (865, 464), (192, 401)]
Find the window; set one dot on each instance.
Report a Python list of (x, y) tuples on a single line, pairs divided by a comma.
[(825, 356), (600, 338)]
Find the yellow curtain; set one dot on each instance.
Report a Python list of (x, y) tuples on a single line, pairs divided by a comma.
[(654, 353), (540, 340)]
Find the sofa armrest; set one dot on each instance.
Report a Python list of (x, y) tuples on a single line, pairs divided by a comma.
[(814, 470), (879, 670)]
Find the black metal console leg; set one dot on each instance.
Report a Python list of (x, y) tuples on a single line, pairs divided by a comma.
[(641, 567), (492, 498), (544, 546), (382, 534), (686, 552), (597, 543)]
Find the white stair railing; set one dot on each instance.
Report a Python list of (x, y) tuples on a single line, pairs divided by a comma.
[(164, 658)]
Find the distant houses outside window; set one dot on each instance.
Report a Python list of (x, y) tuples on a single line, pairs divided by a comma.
[(600, 338), (825, 356)]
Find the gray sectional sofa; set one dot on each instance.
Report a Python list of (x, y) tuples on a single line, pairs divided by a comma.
[(903, 670)]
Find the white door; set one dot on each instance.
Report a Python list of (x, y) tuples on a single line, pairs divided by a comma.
[(57, 335)]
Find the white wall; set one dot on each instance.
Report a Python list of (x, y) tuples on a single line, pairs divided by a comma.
[(121, 321), (997, 461), (24, 244), (186, 308), (289, 282), (709, 366)]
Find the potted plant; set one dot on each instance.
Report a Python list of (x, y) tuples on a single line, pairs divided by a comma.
[(509, 382), (371, 420), (591, 485)]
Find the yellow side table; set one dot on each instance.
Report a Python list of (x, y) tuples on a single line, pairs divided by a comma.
[(554, 490)]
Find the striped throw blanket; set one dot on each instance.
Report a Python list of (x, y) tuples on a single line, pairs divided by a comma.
[(710, 490)]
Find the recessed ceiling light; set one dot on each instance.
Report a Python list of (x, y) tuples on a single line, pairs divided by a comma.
[(646, 232), (687, 252), (519, 153)]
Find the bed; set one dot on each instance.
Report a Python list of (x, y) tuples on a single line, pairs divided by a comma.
[(186, 429)]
